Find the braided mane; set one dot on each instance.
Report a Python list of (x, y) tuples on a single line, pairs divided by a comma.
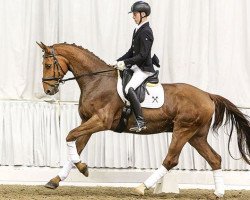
[(83, 49)]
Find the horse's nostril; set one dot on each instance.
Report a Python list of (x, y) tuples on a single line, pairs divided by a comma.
[(47, 91)]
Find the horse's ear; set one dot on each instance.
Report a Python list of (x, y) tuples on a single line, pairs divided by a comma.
[(43, 47), (40, 45)]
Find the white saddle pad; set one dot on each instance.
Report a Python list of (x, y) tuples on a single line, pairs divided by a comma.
[(154, 99)]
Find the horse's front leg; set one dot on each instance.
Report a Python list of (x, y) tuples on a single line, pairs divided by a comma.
[(76, 141), (94, 124), (81, 142)]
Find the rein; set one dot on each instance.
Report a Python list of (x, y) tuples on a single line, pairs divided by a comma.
[(59, 68), (85, 74)]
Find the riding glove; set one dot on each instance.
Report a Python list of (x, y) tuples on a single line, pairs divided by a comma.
[(120, 65)]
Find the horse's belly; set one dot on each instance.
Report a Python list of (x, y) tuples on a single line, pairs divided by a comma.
[(153, 127)]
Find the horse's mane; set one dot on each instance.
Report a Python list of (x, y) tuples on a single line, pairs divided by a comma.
[(83, 49)]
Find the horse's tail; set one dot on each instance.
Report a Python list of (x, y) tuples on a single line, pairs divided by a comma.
[(237, 119)]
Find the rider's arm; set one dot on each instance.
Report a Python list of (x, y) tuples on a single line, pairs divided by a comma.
[(146, 41), (127, 55)]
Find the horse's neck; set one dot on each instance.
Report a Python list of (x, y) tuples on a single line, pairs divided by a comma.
[(83, 62)]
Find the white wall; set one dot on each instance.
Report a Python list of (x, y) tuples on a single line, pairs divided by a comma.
[(204, 43)]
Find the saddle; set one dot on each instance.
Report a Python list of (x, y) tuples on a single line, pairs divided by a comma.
[(126, 75)]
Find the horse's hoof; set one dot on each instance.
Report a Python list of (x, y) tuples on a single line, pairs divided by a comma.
[(85, 171), (219, 194), (51, 185), (139, 190)]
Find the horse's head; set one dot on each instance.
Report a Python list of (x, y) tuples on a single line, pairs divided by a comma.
[(55, 67)]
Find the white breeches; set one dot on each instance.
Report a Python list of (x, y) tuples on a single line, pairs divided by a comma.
[(138, 77)]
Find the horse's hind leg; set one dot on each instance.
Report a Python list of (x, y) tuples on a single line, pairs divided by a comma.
[(199, 142), (81, 142), (180, 137)]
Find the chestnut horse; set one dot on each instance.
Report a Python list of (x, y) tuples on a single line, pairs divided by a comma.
[(187, 111)]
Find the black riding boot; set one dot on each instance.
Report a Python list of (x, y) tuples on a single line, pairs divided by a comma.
[(136, 107)]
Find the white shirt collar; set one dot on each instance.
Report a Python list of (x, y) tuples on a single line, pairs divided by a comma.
[(139, 26)]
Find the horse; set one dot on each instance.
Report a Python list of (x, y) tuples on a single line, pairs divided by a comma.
[(187, 111)]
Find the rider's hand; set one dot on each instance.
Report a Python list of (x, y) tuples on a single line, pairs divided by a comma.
[(120, 65)]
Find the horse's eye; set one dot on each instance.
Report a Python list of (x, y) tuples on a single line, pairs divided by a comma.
[(47, 66)]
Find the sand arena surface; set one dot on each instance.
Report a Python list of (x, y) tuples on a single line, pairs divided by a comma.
[(12, 192)]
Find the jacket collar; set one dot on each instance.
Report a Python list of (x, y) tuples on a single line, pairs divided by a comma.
[(140, 29), (141, 24)]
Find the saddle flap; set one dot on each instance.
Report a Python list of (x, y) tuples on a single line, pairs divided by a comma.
[(154, 97), (126, 76)]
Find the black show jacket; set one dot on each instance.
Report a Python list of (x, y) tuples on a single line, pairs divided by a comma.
[(140, 51)]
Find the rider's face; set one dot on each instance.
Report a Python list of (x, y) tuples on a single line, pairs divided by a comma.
[(136, 17)]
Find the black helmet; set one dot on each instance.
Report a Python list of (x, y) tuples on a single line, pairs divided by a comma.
[(141, 6)]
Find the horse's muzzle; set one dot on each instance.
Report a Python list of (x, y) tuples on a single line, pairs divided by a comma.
[(52, 91)]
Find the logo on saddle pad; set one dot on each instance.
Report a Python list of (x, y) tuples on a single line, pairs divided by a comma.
[(154, 94)]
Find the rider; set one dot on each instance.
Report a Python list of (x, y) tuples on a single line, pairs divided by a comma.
[(138, 59)]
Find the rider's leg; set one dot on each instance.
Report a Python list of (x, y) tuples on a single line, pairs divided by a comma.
[(136, 107), (138, 77)]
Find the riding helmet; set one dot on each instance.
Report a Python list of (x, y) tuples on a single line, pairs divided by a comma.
[(141, 6)]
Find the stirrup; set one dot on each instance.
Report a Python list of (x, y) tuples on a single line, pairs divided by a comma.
[(138, 129)]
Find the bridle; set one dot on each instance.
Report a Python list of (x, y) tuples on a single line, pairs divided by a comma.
[(57, 67)]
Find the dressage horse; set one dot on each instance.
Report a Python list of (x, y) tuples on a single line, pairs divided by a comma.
[(187, 111)]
